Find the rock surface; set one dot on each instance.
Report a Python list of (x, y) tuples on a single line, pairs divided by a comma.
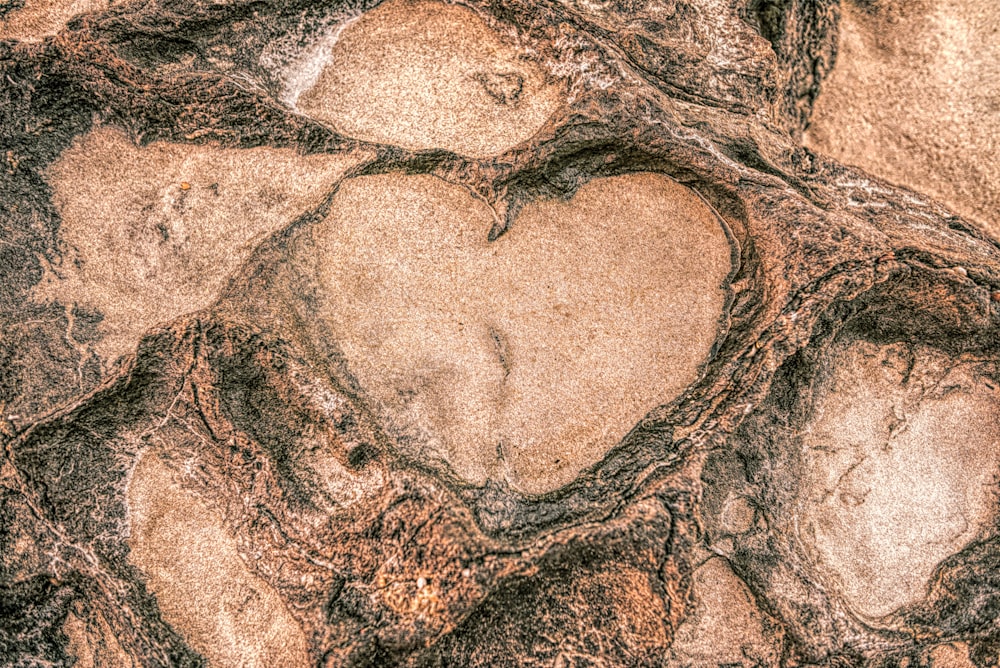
[(913, 98), (482, 334)]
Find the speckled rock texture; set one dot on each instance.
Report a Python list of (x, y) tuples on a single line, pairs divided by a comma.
[(520, 333)]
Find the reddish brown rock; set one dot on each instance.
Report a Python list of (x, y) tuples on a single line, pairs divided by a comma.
[(235, 489)]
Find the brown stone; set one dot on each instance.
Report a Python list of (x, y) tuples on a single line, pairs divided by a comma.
[(497, 334)]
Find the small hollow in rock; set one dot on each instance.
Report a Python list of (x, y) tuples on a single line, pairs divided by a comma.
[(426, 75), (530, 356)]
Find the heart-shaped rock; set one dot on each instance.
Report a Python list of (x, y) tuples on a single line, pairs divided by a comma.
[(530, 356)]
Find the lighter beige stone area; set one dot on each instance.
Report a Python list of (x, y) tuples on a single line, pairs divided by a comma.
[(915, 98), (151, 233), (92, 642), (426, 75), (726, 627), (41, 18), (79, 643), (951, 655), (525, 358), (204, 589), (901, 463)]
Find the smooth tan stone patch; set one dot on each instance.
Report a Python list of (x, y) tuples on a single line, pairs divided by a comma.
[(41, 18), (530, 356), (914, 98), (738, 515), (92, 643), (951, 655), (153, 233), (204, 590), (79, 646), (425, 75), (899, 475), (726, 627)]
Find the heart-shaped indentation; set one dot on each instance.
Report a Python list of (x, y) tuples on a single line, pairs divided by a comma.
[(529, 356)]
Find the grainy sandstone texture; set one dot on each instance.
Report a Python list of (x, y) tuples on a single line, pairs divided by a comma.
[(524, 333), (915, 98)]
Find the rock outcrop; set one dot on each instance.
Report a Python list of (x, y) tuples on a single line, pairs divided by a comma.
[(478, 334)]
